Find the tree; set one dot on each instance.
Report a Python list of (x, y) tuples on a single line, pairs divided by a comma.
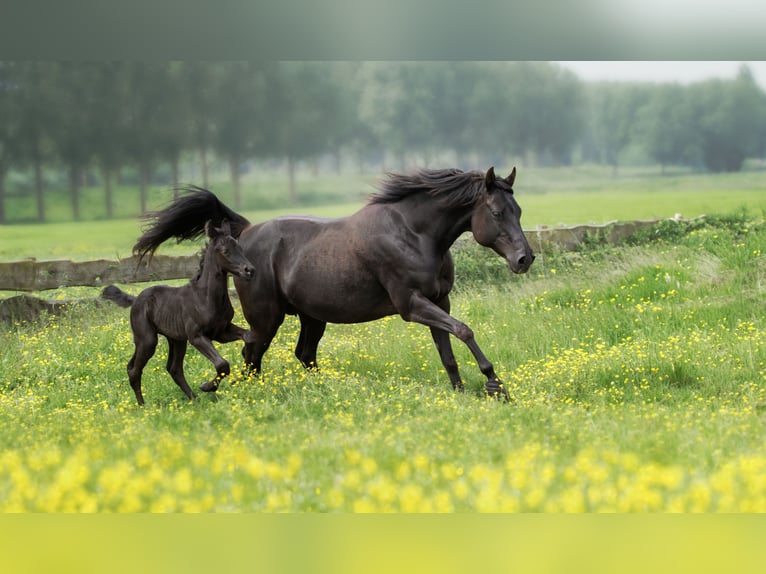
[(199, 88), (613, 113), (397, 104), (668, 126), (155, 122), (74, 128), (243, 117), (8, 126), (309, 114), (109, 123), (34, 92), (730, 116)]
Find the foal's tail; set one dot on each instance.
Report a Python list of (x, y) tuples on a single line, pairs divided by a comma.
[(185, 218), (117, 295)]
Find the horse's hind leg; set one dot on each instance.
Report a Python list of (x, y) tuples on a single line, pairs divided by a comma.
[(145, 347), (308, 340), (444, 347), (175, 364)]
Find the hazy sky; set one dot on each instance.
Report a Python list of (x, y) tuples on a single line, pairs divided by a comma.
[(662, 71)]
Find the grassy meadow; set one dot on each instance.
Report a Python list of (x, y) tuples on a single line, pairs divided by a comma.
[(637, 372)]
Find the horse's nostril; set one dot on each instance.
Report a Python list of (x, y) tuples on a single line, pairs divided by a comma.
[(522, 261)]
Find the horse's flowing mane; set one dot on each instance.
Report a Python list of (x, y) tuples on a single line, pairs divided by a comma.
[(451, 187)]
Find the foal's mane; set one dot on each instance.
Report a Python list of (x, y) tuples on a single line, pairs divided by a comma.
[(451, 187), (202, 255)]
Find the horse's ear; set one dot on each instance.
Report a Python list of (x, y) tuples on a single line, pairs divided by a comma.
[(512, 177), (489, 179), (225, 227)]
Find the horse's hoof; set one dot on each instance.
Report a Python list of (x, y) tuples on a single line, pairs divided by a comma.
[(497, 390), (209, 387)]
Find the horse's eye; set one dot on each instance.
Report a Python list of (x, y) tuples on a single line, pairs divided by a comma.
[(496, 213)]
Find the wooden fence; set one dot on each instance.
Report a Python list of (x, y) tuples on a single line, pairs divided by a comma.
[(32, 275)]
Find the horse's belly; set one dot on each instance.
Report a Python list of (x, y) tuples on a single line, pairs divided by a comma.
[(336, 301), (351, 313)]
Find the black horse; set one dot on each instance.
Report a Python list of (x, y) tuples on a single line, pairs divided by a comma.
[(392, 256), (197, 312)]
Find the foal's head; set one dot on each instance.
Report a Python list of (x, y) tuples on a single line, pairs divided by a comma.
[(496, 222), (228, 253)]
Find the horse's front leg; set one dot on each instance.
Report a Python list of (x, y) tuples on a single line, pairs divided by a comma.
[(420, 309), (205, 346)]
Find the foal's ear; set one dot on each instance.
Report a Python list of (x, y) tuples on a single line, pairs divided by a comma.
[(512, 177), (210, 231), (225, 227), (489, 178)]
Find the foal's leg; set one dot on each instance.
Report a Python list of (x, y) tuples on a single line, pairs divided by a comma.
[(175, 365), (308, 341), (205, 346), (416, 307), (145, 339), (234, 332)]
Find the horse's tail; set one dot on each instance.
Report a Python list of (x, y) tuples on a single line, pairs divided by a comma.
[(117, 295), (185, 218)]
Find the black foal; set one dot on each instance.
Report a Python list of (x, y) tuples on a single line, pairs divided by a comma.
[(199, 312)]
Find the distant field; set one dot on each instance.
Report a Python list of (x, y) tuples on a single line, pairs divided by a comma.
[(550, 197)]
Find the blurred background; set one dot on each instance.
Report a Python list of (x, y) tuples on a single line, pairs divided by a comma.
[(102, 140)]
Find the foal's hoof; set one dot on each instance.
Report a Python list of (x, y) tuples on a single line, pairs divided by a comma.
[(496, 389), (209, 387)]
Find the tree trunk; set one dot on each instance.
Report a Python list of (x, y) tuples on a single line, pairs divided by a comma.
[(108, 200), (39, 190), (203, 166), (143, 176), (74, 189), (174, 165), (2, 196), (234, 169), (292, 196)]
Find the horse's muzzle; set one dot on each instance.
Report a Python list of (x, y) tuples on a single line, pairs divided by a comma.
[(521, 264)]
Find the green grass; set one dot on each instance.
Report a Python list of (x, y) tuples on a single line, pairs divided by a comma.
[(638, 375)]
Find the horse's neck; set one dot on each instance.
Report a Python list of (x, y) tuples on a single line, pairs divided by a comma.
[(443, 224)]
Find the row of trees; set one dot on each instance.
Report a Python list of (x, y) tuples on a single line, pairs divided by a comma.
[(105, 116)]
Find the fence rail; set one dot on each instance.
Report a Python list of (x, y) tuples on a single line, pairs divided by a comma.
[(32, 275)]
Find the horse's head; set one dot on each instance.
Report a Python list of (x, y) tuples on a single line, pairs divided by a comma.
[(496, 222), (229, 254)]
